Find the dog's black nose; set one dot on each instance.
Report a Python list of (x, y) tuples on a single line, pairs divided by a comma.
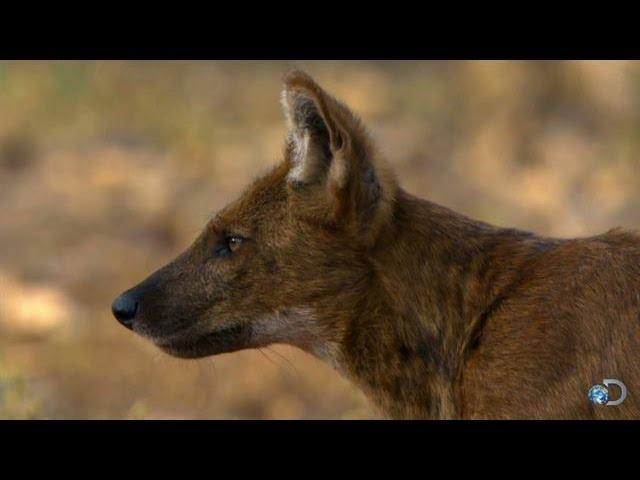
[(124, 309)]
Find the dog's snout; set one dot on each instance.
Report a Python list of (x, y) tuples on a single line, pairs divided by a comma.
[(124, 308)]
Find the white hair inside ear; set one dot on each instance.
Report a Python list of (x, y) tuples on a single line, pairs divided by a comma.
[(309, 137)]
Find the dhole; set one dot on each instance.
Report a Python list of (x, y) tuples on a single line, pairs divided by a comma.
[(432, 314)]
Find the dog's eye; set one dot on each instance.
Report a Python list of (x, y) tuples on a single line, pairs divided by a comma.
[(234, 241), (229, 245)]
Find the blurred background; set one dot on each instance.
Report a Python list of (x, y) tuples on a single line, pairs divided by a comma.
[(109, 169)]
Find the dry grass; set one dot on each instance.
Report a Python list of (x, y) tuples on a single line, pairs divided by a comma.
[(108, 169)]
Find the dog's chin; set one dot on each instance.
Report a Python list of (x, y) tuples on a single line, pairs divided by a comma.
[(205, 344)]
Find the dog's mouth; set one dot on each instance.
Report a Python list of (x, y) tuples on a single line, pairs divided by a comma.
[(222, 340)]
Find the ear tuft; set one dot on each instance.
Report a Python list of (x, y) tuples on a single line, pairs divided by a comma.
[(299, 79)]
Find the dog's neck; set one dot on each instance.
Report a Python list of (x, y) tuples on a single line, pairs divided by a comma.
[(437, 277)]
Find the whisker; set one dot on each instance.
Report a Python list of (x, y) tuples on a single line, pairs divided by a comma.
[(291, 367), (268, 358)]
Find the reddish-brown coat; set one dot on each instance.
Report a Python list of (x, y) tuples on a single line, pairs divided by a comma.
[(432, 314)]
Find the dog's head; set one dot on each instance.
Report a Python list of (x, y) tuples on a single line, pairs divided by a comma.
[(287, 262)]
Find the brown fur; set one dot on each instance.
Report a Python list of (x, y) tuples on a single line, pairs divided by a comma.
[(432, 314)]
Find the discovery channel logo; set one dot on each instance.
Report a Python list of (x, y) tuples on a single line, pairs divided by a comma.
[(599, 394)]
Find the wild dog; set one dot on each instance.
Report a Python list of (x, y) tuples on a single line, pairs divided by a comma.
[(432, 314)]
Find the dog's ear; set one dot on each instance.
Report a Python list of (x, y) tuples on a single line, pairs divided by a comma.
[(314, 134), (329, 148)]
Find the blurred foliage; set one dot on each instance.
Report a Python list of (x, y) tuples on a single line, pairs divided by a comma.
[(109, 169), (17, 398)]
